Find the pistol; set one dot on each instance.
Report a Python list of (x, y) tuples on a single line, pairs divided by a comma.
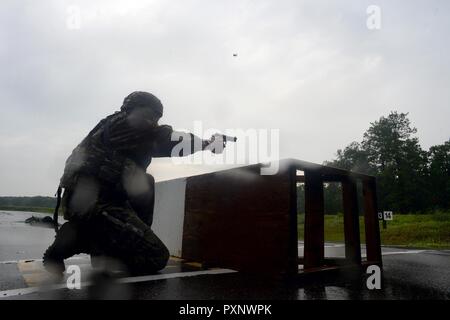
[(225, 138)]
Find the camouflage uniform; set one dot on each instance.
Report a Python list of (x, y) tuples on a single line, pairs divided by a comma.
[(108, 198)]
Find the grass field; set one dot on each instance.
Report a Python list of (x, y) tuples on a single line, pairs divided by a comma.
[(410, 230), (25, 208)]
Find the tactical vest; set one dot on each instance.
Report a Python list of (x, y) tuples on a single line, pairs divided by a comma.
[(94, 156)]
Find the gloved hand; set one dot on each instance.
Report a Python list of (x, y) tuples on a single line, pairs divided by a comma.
[(215, 144)]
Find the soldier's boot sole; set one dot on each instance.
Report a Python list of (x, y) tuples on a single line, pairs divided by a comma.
[(53, 262), (66, 244)]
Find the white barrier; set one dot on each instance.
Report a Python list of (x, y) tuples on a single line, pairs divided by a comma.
[(168, 216)]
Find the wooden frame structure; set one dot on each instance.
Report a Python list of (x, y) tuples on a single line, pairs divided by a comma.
[(243, 220)]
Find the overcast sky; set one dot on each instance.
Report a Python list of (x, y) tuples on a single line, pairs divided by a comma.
[(309, 68)]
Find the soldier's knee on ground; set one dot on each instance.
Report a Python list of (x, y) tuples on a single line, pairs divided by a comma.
[(154, 253), (148, 265), (161, 257), (148, 255), (135, 243)]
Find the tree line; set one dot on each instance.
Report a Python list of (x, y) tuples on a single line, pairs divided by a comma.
[(409, 179), (45, 202)]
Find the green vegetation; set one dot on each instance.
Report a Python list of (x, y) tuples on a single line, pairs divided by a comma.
[(38, 202), (411, 182), (408, 230), (25, 208), (33, 204), (409, 179)]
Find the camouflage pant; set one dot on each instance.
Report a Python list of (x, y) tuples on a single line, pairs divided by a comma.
[(116, 229)]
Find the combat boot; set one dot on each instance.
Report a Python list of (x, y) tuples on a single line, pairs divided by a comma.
[(68, 242)]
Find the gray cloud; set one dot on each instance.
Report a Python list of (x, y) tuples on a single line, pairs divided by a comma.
[(310, 68)]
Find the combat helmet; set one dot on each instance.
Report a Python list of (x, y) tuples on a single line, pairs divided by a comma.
[(139, 99)]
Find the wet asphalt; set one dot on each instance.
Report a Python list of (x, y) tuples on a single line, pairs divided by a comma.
[(407, 274)]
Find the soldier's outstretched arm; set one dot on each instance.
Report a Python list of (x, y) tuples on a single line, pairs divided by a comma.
[(171, 143)]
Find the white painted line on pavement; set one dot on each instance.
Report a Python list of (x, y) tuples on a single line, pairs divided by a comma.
[(397, 252), (174, 275), (32, 260), (401, 252), (327, 246), (23, 291)]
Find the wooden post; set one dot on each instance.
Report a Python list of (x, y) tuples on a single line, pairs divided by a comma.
[(351, 222), (293, 232), (373, 243), (314, 220)]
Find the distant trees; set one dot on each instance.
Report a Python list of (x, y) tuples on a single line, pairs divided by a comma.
[(409, 179), (439, 175), (45, 202)]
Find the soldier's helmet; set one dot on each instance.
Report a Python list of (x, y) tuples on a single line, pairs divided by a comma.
[(139, 99)]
